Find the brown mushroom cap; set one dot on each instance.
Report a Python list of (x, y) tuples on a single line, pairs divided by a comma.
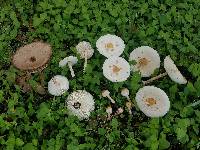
[(32, 57)]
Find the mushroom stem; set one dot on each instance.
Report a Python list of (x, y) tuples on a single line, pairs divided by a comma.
[(111, 99), (129, 106), (128, 98), (71, 69), (194, 104), (154, 78), (41, 76), (85, 63), (109, 112), (118, 112)]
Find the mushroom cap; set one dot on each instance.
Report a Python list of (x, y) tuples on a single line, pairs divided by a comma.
[(110, 45), (116, 69), (125, 92), (147, 60), (85, 50), (109, 110), (152, 101), (105, 93), (173, 71), (58, 85), (81, 104), (32, 57), (71, 59)]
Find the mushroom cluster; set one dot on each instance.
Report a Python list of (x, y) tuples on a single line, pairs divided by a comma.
[(151, 100), (115, 68)]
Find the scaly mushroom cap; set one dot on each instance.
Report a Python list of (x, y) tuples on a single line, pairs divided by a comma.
[(32, 57), (110, 45), (147, 60), (173, 71), (152, 101), (116, 69), (58, 85), (85, 50), (80, 103)]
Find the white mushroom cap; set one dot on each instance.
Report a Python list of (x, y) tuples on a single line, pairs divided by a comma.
[(85, 50), (71, 59), (152, 101), (110, 45), (173, 71), (80, 103), (116, 69), (109, 110), (58, 85), (105, 93), (147, 60), (125, 92)]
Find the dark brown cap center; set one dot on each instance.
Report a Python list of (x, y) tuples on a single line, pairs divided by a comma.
[(32, 59), (77, 105)]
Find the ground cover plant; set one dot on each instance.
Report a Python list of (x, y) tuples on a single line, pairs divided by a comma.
[(40, 121)]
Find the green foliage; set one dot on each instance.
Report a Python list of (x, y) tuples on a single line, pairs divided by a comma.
[(32, 121)]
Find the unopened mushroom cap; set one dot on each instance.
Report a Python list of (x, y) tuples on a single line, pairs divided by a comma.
[(110, 45), (173, 71), (58, 85), (147, 60), (125, 92), (152, 101), (85, 50), (105, 93), (81, 104), (109, 110), (116, 69), (32, 57)]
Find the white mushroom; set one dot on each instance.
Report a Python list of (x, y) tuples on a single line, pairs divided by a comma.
[(152, 101), (58, 85), (85, 50), (171, 70), (109, 112), (110, 45), (70, 61), (106, 93), (147, 60), (125, 93), (119, 111), (81, 104), (116, 69)]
